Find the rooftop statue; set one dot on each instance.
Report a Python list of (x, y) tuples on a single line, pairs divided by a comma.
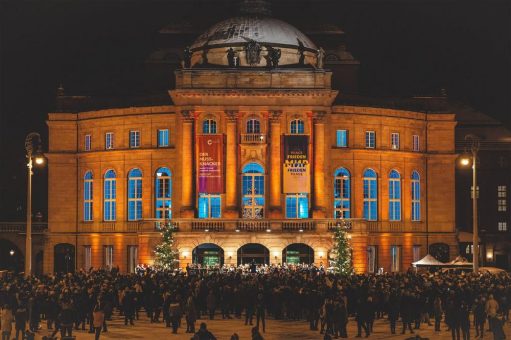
[(187, 57), (320, 56), (252, 51)]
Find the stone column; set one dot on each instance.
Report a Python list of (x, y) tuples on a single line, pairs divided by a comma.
[(319, 193), (275, 165), (231, 173), (187, 152)]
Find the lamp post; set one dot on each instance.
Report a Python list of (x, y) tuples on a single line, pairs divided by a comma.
[(470, 158), (33, 154)]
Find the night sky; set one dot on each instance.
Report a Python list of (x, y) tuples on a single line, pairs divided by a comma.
[(405, 48)]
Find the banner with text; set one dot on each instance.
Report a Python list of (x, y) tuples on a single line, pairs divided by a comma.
[(210, 164), (296, 164)]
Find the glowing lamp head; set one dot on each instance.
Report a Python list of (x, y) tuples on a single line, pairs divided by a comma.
[(11, 252), (465, 161), (39, 159)]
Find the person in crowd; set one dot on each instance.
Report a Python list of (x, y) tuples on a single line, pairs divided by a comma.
[(464, 315), (20, 317), (98, 317), (6, 320), (203, 333), (479, 316), (438, 311)]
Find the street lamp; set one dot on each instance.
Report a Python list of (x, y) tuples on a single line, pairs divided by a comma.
[(466, 159), (34, 153)]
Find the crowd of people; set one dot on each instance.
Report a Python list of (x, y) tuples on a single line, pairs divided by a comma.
[(86, 300)]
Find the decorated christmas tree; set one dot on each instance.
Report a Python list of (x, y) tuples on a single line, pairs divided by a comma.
[(342, 251), (165, 255)]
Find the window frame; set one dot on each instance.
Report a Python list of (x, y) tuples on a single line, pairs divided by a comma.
[(416, 196), (108, 256), (109, 140), (368, 199), (166, 202), (342, 193), (369, 139), (134, 139), (253, 125), (298, 198), (209, 198), (87, 142), (111, 201), (297, 126), (253, 173), (416, 143), (395, 258), (209, 126), (395, 194), (341, 138), (394, 140), (166, 138), (88, 196), (134, 182)]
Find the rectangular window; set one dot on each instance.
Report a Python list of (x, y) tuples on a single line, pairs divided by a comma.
[(108, 260), (109, 140), (502, 226), (370, 139), (372, 259), (394, 141), (87, 142), (342, 138), (416, 253), (134, 139), (395, 255), (416, 143), (297, 206), (87, 257), (210, 206), (502, 205), (132, 259), (501, 191), (163, 138), (472, 192)]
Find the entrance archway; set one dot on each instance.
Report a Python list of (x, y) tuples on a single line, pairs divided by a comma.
[(253, 252), (11, 257), (297, 253), (208, 254), (64, 258)]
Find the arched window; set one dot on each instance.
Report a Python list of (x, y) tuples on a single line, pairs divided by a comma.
[(163, 193), (209, 126), (87, 196), (297, 126), (253, 126), (134, 195), (253, 191), (342, 194), (370, 195), (416, 196), (394, 196), (109, 196)]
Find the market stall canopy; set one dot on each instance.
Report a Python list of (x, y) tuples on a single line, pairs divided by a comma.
[(459, 262), (428, 261)]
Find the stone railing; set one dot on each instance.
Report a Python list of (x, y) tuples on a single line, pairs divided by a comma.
[(20, 227), (253, 138), (395, 227)]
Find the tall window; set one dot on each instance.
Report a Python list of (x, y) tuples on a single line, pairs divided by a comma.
[(253, 191), (209, 126), (395, 255), (132, 258), (416, 250), (297, 126), (370, 139), (163, 138), (109, 196), (502, 226), (134, 195), (501, 201), (253, 126), (372, 259), (87, 257), (87, 196), (394, 196), (210, 206), (416, 143), (163, 193), (341, 137), (108, 253), (394, 141), (134, 139), (297, 206), (109, 140), (342, 194), (88, 142), (416, 196), (370, 195)]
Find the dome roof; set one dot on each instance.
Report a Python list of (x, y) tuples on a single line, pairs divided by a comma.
[(265, 30)]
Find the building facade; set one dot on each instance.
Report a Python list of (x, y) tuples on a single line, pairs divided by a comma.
[(252, 158)]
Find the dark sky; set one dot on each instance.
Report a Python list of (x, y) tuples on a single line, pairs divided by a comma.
[(405, 48)]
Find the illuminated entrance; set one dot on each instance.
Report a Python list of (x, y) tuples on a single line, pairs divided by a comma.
[(208, 254), (253, 252), (296, 253)]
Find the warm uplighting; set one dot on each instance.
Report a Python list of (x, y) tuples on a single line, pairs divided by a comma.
[(206, 230), (268, 230), (321, 254), (301, 230), (237, 230), (489, 255), (230, 254), (185, 254)]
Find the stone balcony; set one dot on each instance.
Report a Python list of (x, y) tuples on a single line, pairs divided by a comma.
[(395, 227), (253, 138), (21, 227)]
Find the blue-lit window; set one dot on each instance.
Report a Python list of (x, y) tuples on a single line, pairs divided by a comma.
[(253, 126), (253, 191), (297, 126), (109, 196), (134, 139), (342, 194), (109, 140), (163, 193), (341, 138), (134, 195), (394, 196), (87, 196), (163, 138), (209, 126), (88, 142), (370, 195), (416, 196), (394, 141), (210, 206), (370, 139), (297, 206)]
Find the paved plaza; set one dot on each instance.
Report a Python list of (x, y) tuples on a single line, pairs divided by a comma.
[(223, 329)]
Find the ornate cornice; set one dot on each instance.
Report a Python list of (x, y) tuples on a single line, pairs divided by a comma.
[(254, 93)]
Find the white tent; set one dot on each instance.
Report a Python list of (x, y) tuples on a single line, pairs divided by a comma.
[(428, 261), (460, 262)]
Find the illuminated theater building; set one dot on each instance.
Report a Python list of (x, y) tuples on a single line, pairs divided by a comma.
[(250, 160)]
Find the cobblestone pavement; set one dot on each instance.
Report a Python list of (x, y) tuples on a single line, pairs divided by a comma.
[(275, 330)]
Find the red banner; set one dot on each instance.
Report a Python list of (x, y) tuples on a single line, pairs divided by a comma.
[(210, 164)]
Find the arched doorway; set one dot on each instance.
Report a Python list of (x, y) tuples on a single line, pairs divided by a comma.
[(11, 257), (253, 252), (64, 258), (440, 251), (297, 253), (208, 254)]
